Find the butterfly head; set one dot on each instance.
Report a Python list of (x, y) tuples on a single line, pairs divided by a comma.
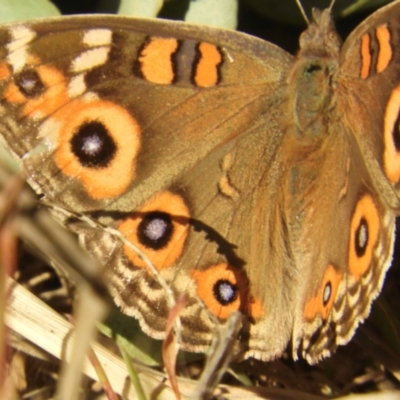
[(320, 36)]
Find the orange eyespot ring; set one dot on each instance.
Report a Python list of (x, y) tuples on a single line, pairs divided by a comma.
[(364, 232), (159, 229), (391, 136), (321, 304), (92, 146)]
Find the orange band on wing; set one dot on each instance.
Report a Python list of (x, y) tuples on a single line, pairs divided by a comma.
[(155, 60), (385, 49), (206, 72), (365, 56)]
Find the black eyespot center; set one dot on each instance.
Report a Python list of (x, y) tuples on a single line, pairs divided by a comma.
[(93, 145), (361, 237), (29, 83), (225, 292), (155, 230), (396, 133), (327, 293)]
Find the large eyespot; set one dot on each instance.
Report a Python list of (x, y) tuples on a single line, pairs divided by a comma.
[(98, 143), (42, 90), (224, 289), (159, 229), (391, 135), (364, 231), (321, 304)]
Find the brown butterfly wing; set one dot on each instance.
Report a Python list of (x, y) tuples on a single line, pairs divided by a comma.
[(363, 212), (168, 139)]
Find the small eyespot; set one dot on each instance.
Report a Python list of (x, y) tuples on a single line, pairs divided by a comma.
[(93, 145), (225, 289), (155, 230), (29, 83), (321, 303)]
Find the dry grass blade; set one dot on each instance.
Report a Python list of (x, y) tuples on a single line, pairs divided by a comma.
[(90, 310), (220, 355), (170, 346), (50, 331)]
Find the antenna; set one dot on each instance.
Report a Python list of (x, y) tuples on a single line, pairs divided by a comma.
[(303, 13)]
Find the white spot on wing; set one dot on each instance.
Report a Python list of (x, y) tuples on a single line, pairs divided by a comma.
[(90, 96), (21, 36), (97, 37), (76, 86), (48, 132), (90, 59), (17, 48)]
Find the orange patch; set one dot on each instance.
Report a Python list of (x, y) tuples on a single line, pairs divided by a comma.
[(156, 60), (171, 204), (385, 48), (391, 156), (207, 67), (206, 281), (365, 210), (13, 95), (365, 56), (317, 305), (114, 179), (5, 72)]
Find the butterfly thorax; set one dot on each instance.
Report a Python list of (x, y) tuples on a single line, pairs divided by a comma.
[(313, 77)]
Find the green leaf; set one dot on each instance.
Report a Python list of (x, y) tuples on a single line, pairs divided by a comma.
[(140, 8), (221, 13), (126, 332), (19, 10)]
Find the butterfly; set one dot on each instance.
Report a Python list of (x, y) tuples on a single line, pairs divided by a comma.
[(215, 164)]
